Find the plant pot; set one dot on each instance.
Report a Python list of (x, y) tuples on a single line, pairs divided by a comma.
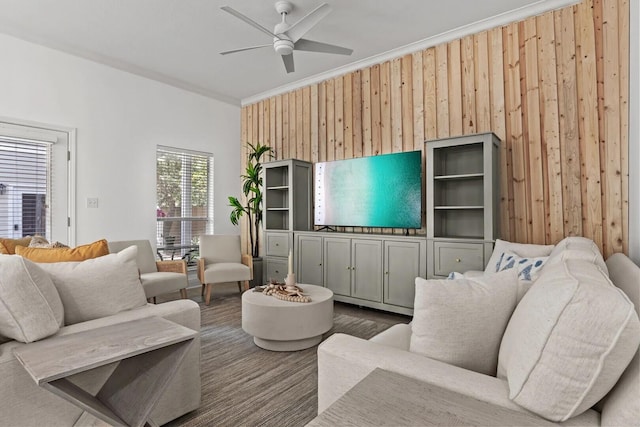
[(257, 273)]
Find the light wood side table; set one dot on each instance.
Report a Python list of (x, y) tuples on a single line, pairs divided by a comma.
[(386, 398), (149, 352)]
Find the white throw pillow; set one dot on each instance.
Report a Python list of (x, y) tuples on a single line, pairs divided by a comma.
[(30, 307), (568, 341), (98, 287), (528, 268), (461, 321), (523, 250)]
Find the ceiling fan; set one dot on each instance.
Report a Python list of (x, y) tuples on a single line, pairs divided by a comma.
[(286, 37)]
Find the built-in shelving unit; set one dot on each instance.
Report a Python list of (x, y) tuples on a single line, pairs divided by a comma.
[(462, 202), (288, 206)]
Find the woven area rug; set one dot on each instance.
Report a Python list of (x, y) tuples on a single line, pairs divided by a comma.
[(244, 385)]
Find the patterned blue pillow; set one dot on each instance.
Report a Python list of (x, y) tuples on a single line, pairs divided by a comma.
[(454, 275), (528, 268)]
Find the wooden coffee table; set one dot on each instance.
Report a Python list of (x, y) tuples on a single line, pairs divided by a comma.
[(149, 352), (385, 398)]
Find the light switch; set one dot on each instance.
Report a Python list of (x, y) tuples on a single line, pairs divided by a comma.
[(92, 202)]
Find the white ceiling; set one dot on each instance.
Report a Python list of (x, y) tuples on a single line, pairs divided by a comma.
[(178, 41)]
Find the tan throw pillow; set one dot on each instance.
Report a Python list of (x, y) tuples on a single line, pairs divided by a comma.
[(8, 246), (568, 341), (98, 287), (30, 308), (523, 250), (79, 253), (461, 321)]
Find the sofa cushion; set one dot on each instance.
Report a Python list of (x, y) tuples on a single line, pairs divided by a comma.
[(568, 341), (98, 287), (461, 321), (30, 307), (79, 253), (577, 248), (523, 250), (8, 246)]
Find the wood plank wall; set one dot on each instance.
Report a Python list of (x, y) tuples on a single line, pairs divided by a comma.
[(554, 88)]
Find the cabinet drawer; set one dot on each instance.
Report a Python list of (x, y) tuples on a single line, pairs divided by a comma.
[(276, 269), (277, 244), (458, 257)]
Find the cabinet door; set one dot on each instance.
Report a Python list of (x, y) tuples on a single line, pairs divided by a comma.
[(401, 267), (337, 265), (366, 269), (309, 251)]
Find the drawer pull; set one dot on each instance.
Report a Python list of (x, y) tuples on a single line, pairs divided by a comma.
[(320, 265), (277, 244), (458, 260), (348, 268)]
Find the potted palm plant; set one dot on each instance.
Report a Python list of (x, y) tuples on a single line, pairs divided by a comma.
[(252, 206)]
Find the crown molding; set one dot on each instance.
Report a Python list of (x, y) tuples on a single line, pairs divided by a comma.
[(515, 15)]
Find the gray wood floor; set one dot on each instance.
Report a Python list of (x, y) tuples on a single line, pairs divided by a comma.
[(244, 385)]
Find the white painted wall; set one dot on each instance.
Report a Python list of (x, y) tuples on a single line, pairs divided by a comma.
[(120, 119)]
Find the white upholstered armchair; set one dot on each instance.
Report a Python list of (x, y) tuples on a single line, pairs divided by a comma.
[(157, 277), (221, 260)]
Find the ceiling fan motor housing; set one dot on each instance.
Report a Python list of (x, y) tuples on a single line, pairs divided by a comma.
[(283, 46)]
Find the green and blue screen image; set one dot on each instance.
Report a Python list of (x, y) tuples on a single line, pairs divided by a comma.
[(377, 191)]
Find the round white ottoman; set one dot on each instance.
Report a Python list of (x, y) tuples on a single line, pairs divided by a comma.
[(287, 326)]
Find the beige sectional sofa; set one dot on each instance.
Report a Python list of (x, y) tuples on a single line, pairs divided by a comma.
[(90, 299), (345, 360)]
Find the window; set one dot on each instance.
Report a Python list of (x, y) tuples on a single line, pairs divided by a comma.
[(184, 187), (33, 182)]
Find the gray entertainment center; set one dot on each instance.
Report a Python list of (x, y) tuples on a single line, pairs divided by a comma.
[(461, 186)]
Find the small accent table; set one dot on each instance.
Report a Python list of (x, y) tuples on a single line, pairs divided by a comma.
[(386, 398), (149, 352), (287, 326)]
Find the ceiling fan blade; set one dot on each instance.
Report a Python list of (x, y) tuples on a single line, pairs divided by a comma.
[(300, 28), (312, 46), (288, 63), (248, 20), (226, 52)]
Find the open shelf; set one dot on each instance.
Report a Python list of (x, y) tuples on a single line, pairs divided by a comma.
[(462, 187), (459, 176)]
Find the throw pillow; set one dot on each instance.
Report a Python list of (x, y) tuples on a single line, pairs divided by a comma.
[(568, 341), (79, 253), (528, 268), (8, 246), (522, 250), (38, 242), (30, 307), (461, 322), (98, 287)]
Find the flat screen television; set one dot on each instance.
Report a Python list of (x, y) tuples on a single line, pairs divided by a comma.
[(377, 191)]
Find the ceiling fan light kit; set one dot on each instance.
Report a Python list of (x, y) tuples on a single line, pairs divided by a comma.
[(287, 38)]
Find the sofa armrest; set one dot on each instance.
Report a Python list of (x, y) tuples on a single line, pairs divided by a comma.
[(344, 360), (201, 266), (248, 261), (172, 266)]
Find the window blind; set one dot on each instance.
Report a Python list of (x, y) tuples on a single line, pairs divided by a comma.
[(25, 187), (184, 187)]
